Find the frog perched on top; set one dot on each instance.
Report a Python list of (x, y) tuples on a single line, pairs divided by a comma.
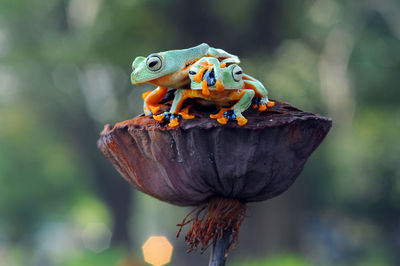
[(170, 70), (209, 75)]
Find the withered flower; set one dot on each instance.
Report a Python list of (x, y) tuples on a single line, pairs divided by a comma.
[(218, 168)]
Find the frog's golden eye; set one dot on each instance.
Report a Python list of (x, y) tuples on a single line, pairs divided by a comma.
[(237, 73), (154, 62)]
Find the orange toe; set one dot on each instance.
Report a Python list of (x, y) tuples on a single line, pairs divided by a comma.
[(174, 122), (255, 106), (241, 121), (218, 115), (186, 116), (185, 113), (222, 120), (159, 118), (263, 107), (270, 104), (155, 109)]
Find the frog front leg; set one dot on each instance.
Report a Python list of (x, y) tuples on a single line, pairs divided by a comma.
[(176, 112), (260, 100), (152, 100), (244, 98)]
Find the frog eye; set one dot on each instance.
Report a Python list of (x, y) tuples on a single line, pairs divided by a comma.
[(154, 62), (237, 73), (192, 72)]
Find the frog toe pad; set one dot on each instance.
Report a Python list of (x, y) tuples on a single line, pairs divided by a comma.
[(262, 107), (174, 122), (261, 104), (159, 118), (241, 121), (222, 120), (231, 115)]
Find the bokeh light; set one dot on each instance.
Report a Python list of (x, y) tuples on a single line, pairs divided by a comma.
[(96, 237), (157, 250)]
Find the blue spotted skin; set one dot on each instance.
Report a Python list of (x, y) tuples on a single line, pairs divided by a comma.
[(169, 116), (258, 101), (230, 115)]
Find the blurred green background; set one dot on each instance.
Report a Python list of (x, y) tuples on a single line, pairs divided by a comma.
[(64, 73)]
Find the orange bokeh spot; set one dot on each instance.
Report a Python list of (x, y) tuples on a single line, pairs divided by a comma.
[(157, 250)]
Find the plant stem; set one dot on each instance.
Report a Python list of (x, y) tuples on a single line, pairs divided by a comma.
[(219, 250)]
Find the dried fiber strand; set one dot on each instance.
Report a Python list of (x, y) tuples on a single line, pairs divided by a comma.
[(211, 218)]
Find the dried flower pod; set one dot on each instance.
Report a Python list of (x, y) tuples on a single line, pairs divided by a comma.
[(202, 160)]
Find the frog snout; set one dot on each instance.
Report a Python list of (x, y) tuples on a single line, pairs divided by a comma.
[(209, 76)]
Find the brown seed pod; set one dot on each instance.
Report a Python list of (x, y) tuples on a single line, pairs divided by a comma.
[(216, 167)]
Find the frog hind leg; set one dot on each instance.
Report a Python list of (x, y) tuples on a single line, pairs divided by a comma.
[(175, 114), (152, 100), (261, 101), (220, 113), (244, 98), (185, 112)]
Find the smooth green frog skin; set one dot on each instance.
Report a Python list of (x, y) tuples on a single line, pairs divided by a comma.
[(220, 85), (170, 70)]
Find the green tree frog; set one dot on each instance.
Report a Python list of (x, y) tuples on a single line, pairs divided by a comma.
[(170, 70)]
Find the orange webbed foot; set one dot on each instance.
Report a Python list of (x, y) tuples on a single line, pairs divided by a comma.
[(186, 116), (185, 113), (159, 118), (174, 122), (241, 121), (222, 120), (262, 107), (220, 113), (154, 109), (262, 104)]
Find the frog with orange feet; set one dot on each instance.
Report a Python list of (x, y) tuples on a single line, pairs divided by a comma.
[(169, 70), (215, 83)]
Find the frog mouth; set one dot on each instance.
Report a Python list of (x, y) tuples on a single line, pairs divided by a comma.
[(134, 79)]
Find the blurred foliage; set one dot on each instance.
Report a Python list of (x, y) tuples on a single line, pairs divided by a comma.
[(280, 260), (64, 73)]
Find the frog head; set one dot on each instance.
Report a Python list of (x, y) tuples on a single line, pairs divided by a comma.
[(167, 69), (209, 72)]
